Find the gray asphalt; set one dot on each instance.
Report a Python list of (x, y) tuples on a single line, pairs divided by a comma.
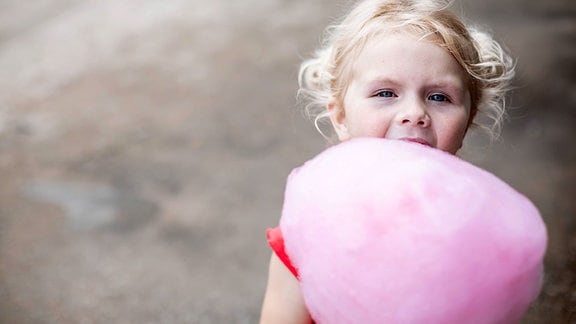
[(144, 147)]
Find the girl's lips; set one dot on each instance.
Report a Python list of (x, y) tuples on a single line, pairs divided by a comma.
[(416, 140)]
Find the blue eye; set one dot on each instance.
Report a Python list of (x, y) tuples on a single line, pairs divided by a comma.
[(386, 94), (438, 97)]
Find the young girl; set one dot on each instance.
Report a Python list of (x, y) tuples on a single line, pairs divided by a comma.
[(407, 70)]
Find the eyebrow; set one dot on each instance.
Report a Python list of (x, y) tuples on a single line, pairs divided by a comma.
[(378, 81), (452, 83)]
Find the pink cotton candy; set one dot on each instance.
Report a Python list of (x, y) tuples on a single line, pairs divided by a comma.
[(386, 231)]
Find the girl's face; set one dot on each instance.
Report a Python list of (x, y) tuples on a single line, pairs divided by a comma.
[(406, 89)]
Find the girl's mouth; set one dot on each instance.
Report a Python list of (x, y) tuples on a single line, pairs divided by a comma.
[(416, 140)]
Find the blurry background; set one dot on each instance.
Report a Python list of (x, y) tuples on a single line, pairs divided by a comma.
[(144, 146)]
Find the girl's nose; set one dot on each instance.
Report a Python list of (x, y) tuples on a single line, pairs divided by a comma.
[(414, 114)]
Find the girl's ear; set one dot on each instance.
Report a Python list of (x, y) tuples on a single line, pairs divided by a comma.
[(338, 118)]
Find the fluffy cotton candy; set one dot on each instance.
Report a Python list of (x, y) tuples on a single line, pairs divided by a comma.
[(392, 232)]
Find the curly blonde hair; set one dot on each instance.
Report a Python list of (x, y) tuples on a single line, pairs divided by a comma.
[(489, 67)]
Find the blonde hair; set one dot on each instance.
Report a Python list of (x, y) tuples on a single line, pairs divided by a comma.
[(489, 67)]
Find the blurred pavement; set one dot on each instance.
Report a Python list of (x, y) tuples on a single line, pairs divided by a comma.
[(144, 147)]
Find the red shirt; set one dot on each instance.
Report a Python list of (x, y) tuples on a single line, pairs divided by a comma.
[(276, 242)]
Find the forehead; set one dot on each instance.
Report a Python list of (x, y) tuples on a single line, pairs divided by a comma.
[(406, 56)]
